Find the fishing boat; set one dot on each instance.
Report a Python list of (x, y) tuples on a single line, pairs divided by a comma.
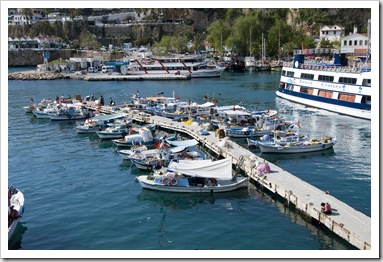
[(335, 87), (70, 113), (248, 127), (15, 209), (199, 176), (101, 122), (114, 132), (164, 157), (143, 137), (196, 66), (311, 145), (280, 136)]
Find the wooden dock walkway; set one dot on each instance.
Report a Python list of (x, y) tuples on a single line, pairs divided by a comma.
[(345, 221)]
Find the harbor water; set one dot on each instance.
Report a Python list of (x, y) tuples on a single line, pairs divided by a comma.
[(80, 194)]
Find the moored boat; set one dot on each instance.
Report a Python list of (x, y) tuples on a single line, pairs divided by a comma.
[(199, 176), (15, 209), (196, 66), (311, 145)]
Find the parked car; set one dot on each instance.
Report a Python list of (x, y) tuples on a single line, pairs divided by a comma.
[(92, 69)]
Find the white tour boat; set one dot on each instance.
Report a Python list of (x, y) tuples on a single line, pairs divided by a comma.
[(333, 87), (196, 66)]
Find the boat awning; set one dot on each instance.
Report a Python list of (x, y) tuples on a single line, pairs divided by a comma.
[(220, 169), (236, 113), (109, 117), (190, 142), (207, 104)]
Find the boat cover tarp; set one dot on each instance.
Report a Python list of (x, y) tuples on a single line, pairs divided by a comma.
[(207, 104), (109, 117), (190, 142), (236, 113), (220, 169)]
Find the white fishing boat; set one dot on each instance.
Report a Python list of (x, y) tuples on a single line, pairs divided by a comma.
[(95, 124), (15, 209), (335, 87), (199, 176), (311, 145), (44, 113), (280, 136), (69, 113), (164, 157), (143, 137), (113, 132), (245, 125), (182, 143), (141, 151)]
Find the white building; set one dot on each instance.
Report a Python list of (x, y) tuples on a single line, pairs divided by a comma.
[(331, 33), (355, 44)]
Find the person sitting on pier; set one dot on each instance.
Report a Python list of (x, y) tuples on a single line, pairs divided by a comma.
[(326, 208)]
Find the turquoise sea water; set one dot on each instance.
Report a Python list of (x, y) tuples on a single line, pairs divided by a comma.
[(80, 195)]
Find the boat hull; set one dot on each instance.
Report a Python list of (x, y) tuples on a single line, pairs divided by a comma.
[(330, 106), (294, 149), (150, 184)]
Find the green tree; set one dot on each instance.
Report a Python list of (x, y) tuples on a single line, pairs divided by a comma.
[(164, 45), (41, 28), (87, 41), (219, 35)]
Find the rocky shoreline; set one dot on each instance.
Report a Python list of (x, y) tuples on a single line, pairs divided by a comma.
[(35, 75)]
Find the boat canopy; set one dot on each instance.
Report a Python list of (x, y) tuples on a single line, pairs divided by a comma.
[(220, 169), (236, 113), (191, 142), (109, 117), (207, 104), (233, 107), (146, 134)]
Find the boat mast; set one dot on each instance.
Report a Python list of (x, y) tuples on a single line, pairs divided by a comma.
[(279, 44), (250, 42)]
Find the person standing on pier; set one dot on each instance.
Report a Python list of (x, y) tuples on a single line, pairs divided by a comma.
[(101, 101), (111, 102)]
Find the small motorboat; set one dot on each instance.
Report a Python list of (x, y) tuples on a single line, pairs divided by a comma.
[(198, 176), (311, 145), (15, 209)]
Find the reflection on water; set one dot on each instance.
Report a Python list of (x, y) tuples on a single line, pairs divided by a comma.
[(182, 201), (15, 242), (274, 158)]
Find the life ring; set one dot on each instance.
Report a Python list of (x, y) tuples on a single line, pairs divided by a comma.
[(149, 167), (174, 181), (247, 133), (165, 181)]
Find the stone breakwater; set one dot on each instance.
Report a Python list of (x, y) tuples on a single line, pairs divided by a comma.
[(34, 75)]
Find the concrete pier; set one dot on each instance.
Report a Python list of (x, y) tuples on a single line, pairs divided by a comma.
[(345, 221)]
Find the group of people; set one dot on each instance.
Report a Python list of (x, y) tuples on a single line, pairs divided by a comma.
[(111, 102)]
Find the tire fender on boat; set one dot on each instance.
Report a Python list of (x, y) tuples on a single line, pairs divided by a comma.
[(247, 133), (165, 181), (149, 167), (174, 181)]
